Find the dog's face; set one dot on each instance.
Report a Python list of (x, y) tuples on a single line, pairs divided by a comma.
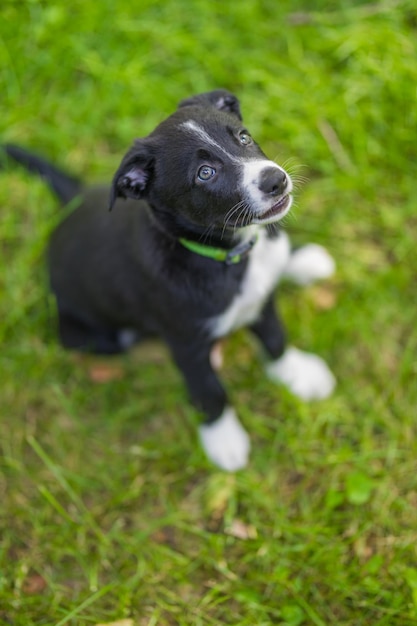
[(201, 166)]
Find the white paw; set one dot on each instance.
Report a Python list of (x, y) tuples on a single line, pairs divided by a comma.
[(309, 263), (226, 442), (305, 374)]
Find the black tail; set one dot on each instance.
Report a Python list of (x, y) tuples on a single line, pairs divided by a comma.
[(66, 187)]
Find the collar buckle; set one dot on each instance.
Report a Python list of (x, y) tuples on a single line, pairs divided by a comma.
[(241, 251)]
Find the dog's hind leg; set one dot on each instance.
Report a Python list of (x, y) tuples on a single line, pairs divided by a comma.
[(76, 334)]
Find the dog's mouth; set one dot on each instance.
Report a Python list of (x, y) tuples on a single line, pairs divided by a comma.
[(268, 216), (276, 212)]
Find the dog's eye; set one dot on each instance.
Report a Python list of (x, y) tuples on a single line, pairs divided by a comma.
[(245, 138), (206, 172)]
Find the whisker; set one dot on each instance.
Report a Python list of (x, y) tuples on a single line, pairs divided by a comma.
[(299, 178), (298, 182), (231, 212), (242, 210), (290, 164), (248, 216), (241, 216), (292, 167), (234, 208), (273, 228), (206, 233), (288, 219)]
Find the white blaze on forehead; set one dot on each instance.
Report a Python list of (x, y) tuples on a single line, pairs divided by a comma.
[(202, 134)]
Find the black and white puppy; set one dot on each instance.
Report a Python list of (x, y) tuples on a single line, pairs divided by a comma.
[(192, 255)]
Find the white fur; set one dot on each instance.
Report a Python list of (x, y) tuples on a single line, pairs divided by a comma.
[(226, 442), (306, 375), (309, 263), (267, 261), (252, 170), (202, 134)]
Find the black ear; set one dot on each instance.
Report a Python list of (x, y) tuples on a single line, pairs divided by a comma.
[(132, 178), (219, 99)]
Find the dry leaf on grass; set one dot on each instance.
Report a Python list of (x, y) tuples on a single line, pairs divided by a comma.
[(324, 297), (240, 530), (34, 584), (105, 372), (99, 370)]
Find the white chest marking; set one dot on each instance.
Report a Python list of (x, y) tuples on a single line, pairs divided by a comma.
[(266, 265)]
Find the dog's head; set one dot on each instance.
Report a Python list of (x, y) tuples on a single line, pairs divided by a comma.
[(201, 168)]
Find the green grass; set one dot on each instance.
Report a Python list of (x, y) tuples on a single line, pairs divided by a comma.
[(108, 508)]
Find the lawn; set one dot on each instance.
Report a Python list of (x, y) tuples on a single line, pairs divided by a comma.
[(109, 511)]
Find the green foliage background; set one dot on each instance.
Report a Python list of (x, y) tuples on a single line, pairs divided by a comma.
[(108, 509)]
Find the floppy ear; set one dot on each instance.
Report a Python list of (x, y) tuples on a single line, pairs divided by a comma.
[(132, 178), (219, 99)]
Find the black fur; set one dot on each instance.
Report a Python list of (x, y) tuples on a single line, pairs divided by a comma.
[(126, 269)]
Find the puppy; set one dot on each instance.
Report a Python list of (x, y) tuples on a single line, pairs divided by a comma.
[(190, 252)]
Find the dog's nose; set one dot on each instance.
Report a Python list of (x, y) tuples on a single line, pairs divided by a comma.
[(272, 181)]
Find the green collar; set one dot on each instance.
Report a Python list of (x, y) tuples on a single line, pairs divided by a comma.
[(229, 257)]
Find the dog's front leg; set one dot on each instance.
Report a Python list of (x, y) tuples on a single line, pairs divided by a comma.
[(306, 375), (309, 263), (223, 438)]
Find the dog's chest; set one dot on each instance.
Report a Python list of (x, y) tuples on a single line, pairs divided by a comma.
[(266, 265)]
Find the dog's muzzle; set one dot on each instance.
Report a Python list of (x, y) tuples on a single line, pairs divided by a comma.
[(273, 181), (276, 212), (275, 185)]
